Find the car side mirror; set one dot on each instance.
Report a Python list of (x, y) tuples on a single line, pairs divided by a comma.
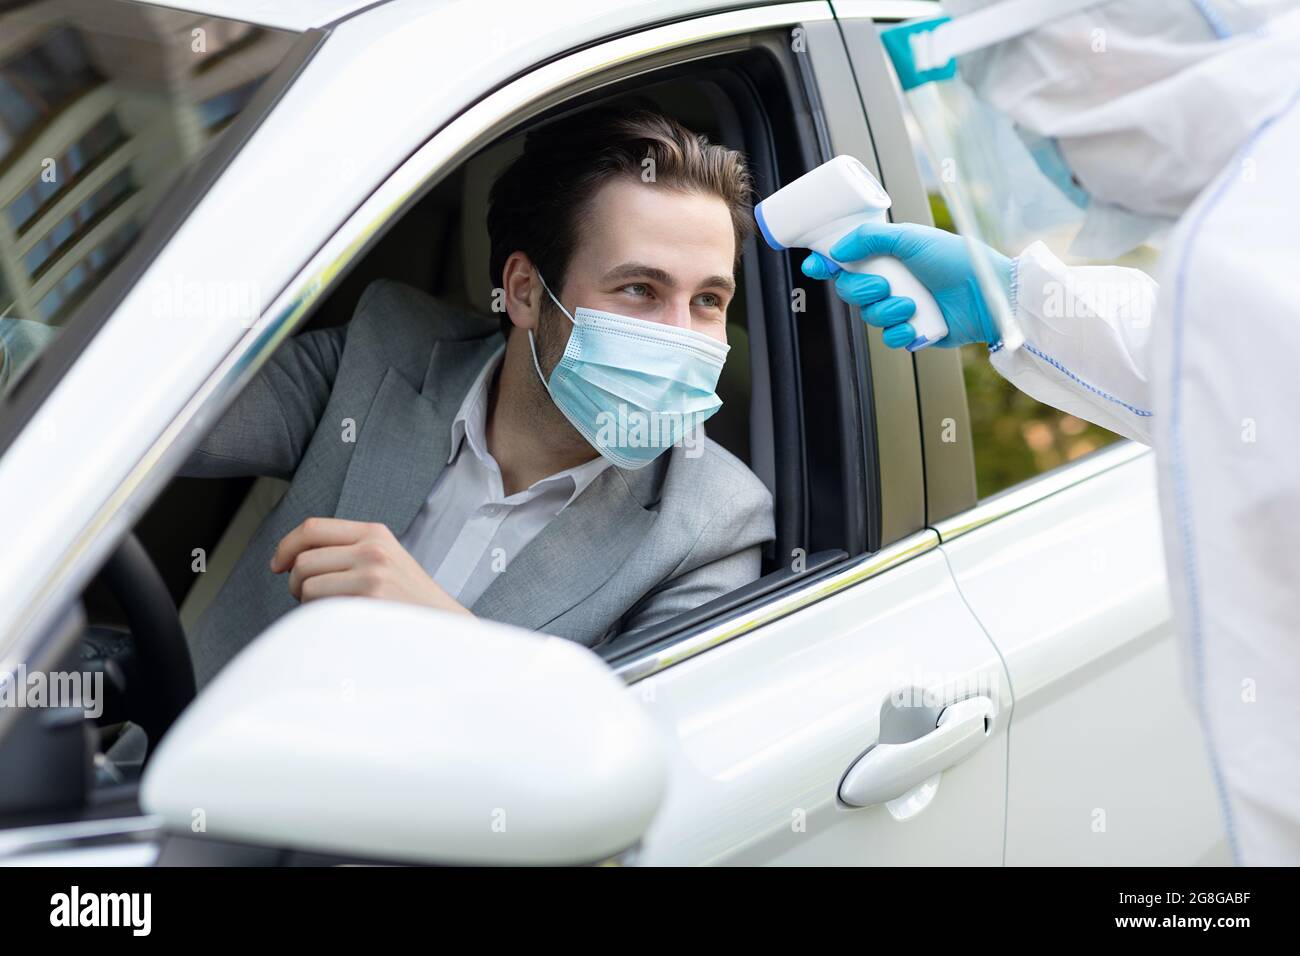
[(389, 732)]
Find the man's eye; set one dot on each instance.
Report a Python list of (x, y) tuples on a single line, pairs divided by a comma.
[(710, 301), (637, 288)]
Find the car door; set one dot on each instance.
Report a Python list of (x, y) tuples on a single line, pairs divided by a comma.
[(776, 713), (1065, 572)]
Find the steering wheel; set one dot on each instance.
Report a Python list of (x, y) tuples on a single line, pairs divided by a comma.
[(162, 655)]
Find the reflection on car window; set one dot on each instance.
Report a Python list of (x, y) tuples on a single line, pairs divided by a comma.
[(1014, 436), (104, 105)]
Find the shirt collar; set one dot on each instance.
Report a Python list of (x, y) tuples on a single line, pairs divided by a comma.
[(470, 426)]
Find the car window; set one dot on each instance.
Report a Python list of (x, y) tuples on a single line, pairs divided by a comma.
[(104, 106), (1015, 437)]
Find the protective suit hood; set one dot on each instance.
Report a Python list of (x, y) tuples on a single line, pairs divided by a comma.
[(1147, 101)]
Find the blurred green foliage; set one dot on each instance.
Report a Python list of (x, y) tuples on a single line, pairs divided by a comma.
[(1016, 437)]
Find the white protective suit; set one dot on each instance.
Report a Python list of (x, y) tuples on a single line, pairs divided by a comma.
[(1204, 364)]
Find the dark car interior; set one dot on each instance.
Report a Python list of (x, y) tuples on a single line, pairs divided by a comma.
[(783, 362)]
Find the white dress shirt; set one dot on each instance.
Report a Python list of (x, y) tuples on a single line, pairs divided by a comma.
[(467, 531)]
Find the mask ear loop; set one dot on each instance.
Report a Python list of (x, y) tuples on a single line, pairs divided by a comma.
[(531, 345)]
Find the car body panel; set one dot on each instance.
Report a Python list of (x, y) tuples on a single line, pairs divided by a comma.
[(760, 732), (760, 729), (1108, 765)]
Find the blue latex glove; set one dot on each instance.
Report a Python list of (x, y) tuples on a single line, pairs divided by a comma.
[(941, 260)]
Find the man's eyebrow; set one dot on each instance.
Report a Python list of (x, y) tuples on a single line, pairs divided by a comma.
[(723, 282), (639, 270)]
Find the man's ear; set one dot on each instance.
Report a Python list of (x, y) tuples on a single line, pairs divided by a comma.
[(523, 292)]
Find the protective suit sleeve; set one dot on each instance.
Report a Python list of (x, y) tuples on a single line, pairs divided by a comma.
[(1087, 331)]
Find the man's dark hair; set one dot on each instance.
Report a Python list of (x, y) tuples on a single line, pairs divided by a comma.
[(537, 204)]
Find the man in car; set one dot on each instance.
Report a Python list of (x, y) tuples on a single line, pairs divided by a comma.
[(555, 477)]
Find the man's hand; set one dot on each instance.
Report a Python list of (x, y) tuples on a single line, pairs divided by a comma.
[(326, 557)]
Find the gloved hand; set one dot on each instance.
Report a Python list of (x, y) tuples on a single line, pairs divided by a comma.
[(939, 259)]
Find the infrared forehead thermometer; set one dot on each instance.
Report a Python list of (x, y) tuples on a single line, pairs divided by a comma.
[(825, 205)]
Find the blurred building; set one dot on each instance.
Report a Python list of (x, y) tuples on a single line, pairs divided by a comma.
[(103, 107)]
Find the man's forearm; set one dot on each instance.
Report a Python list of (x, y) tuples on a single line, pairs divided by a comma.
[(266, 430)]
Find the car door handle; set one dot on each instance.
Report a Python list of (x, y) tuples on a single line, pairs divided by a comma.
[(887, 771)]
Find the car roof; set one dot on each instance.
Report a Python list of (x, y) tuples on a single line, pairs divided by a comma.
[(286, 14), (302, 15)]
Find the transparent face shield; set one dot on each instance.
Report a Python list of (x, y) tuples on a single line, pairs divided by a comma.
[(1005, 188)]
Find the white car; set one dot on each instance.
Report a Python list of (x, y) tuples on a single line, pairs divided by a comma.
[(920, 676)]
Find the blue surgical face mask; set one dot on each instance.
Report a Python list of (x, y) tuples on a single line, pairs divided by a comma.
[(1046, 153), (631, 387)]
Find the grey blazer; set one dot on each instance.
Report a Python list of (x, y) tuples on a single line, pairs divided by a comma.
[(635, 548)]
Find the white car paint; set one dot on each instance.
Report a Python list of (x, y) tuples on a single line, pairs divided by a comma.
[(1108, 764), (395, 732), (761, 730)]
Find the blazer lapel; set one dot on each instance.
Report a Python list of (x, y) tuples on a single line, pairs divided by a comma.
[(402, 447), (572, 556), (405, 438)]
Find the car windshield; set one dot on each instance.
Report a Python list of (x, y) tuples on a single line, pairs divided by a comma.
[(104, 106)]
